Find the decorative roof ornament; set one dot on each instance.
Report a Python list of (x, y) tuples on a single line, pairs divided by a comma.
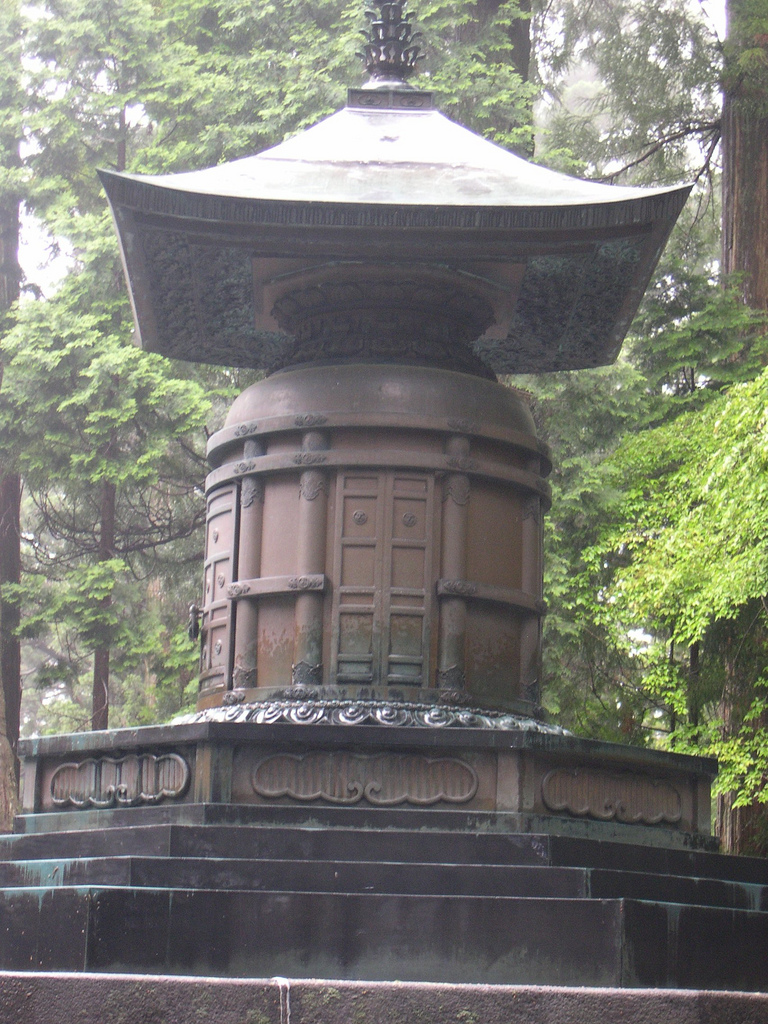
[(391, 52)]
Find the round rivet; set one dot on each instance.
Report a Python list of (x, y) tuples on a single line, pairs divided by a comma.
[(220, 579), (360, 517), (217, 647), (409, 519)]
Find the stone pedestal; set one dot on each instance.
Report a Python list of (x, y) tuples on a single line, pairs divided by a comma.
[(367, 755), (314, 840), (417, 852)]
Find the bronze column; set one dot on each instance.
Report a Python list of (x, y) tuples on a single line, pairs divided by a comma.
[(248, 568), (453, 607), (310, 543), (531, 584)]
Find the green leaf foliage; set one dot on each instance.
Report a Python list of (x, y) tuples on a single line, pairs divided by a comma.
[(695, 514), (631, 83)]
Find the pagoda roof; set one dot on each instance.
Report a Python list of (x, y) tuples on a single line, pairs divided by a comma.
[(388, 181), (397, 157)]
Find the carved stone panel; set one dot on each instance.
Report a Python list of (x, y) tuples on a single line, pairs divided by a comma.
[(385, 780), (120, 782), (592, 793)]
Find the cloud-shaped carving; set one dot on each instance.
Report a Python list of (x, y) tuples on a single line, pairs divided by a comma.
[(382, 779), (631, 799), (122, 781)]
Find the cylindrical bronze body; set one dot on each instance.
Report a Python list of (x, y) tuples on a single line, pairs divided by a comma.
[(374, 531)]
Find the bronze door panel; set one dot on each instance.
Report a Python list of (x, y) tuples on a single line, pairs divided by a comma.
[(382, 604), (408, 583), (358, 572), (220, 552)]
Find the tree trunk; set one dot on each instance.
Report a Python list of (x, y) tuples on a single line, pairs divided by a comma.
[(745, 252), (745, 193), (694, 683), (742, 830), (100, 705), (10, 649), (10, 572), (107, 527), (518, 33)]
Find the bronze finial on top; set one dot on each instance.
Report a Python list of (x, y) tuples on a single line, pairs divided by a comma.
[(391, 51)]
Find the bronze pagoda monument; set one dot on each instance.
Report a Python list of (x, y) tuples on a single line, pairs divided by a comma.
[(368, 788), (374, 505)]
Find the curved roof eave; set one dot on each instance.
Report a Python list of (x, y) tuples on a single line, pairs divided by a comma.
[(398, 159)]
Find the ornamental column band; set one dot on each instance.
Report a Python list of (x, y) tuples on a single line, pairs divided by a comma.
[(374, 504)]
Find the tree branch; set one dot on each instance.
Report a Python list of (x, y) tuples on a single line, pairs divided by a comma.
[(683, 133)]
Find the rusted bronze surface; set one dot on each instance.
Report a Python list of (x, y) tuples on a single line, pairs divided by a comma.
[(393, 707), (344, 314), (393, 505)]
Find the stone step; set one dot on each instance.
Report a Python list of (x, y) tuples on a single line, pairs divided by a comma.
[(150, 840), (496, 940), (361, 816), (269, 841), (132, 999), (369, 876), (298, 876), (392, 844), (675, 889), (568, 851)]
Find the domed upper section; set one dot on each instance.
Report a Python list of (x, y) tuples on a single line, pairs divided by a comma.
[(376, 389), (380, 396)]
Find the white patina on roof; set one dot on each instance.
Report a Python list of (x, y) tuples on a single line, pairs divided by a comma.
[(396, 157)]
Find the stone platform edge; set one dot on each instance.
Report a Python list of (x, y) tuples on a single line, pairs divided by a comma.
[(60, 998), (149, 736)]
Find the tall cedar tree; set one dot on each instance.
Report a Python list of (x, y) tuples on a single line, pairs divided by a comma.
[(89, 64), (10, 482), (625, 541), (745, 253)]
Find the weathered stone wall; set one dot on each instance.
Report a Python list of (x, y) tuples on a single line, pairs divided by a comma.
[(130, 999)]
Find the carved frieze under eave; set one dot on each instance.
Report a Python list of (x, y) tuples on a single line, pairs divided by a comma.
[(559, 301), (287, 291)]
